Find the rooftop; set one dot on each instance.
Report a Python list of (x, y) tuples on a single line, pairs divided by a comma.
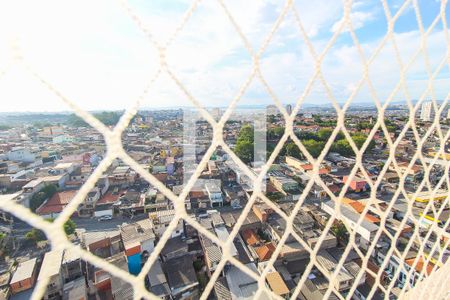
[(56, 203), (51, 264), (180, 272), (277, 284), (24, 270)]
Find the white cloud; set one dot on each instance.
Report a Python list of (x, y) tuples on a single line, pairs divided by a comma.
[(357, 18), (96, 55)]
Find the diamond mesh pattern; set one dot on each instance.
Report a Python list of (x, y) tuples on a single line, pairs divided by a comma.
[(115, 150)]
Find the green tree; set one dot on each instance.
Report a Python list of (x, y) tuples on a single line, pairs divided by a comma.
[(293, 150), (245, 151), (306, 135), (4, 127), (324, 134), (69, 227), (35, 235), (343, 148), (340, 232), (360, 139), (108, 118), (38, 198), (275, 133), (246, 134), (245, 144), (314, 147)]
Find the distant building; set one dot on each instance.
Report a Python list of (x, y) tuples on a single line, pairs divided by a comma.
[(272, 110), (214, 192), (289, 108), (426, 111), (21, 154), (53, 131)]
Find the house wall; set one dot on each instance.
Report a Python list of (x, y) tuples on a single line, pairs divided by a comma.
[(148, 245), (23, 284)]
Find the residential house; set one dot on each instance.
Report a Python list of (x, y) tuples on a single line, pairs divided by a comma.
[(24, 276), (157, 281), (52, 207), (181, 277), (75, 289), (213, 188), (102, 243), (71, 266), (51, 268), (284, 184), (357, 184), (138, 239)]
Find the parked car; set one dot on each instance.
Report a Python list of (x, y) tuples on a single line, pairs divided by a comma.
[(105, 218)]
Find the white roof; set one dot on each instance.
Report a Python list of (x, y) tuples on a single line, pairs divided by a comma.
[(223, 235), (63, 165), (51, 265), (70, 255), (24, 270), (33, 183), (241, 285)]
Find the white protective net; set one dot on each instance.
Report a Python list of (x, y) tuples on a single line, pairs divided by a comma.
[(54, 231)]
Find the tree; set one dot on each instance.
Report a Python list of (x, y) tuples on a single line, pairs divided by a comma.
[(246, 134), (108, 118), (245, 144), (244, 150), (306, 135), (35, 235), (4, 127), (359, 140), (69, 227), (340, 232), (44, 194), (293, 150), (314, 147), (324, 134), (275, 133), (343, 148)]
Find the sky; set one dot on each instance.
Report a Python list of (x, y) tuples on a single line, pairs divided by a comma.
[(94, 54)]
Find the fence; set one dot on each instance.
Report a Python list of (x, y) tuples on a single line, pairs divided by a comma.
[(56, 235)]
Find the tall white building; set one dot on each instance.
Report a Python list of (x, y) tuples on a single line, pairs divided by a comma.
[(426, 111), (289, 109)]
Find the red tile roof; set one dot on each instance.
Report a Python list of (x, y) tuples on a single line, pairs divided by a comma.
[(109, 198), (420, 265), (250, 237), (359, 208), (56, 203), (265, 252)]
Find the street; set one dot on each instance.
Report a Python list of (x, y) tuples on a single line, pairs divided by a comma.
[(90, 224)]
